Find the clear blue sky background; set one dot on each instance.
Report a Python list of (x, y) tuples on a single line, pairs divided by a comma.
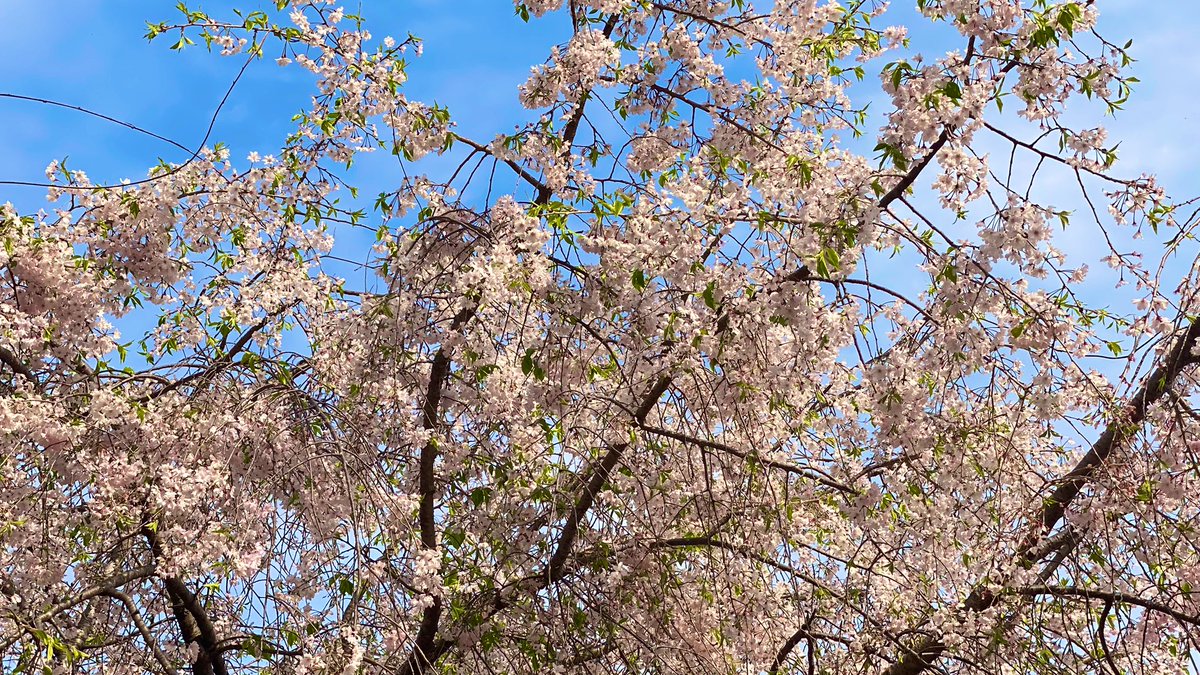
[(92, 53)]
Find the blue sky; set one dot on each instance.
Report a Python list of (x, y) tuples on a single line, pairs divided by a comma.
[(92, 53)]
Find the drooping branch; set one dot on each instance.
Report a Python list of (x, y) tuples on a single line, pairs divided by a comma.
[(599, 476), (524, 175), (136, 617), (715, 183), (428, 649), (1054, 506), (810, 474), (224, 361), (1114, 597)]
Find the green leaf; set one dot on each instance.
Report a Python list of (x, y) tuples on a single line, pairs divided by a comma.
[(639, 280), (893, 154), (952, 91), (480, 496), (1145, 493), (710, 299), (828, 261), (529, 366)]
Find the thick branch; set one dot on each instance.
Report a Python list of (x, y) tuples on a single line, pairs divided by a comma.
[(10, 359), (193, 620), (1179, 357), (142, 628), (786, 650), (426, 649), (599, 476), (1055, 505), (909, 178)]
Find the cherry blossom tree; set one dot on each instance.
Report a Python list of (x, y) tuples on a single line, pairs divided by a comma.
[(699, 371)]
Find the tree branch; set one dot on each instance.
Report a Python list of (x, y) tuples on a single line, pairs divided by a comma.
[(909, 178), (742, 454), (599, 476), (10, 359), (193, 620), (1054, 506), (426, 648), (140, 624), (1107, 596)]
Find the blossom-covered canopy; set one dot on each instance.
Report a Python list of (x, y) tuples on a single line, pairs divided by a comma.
[(699, 371)]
